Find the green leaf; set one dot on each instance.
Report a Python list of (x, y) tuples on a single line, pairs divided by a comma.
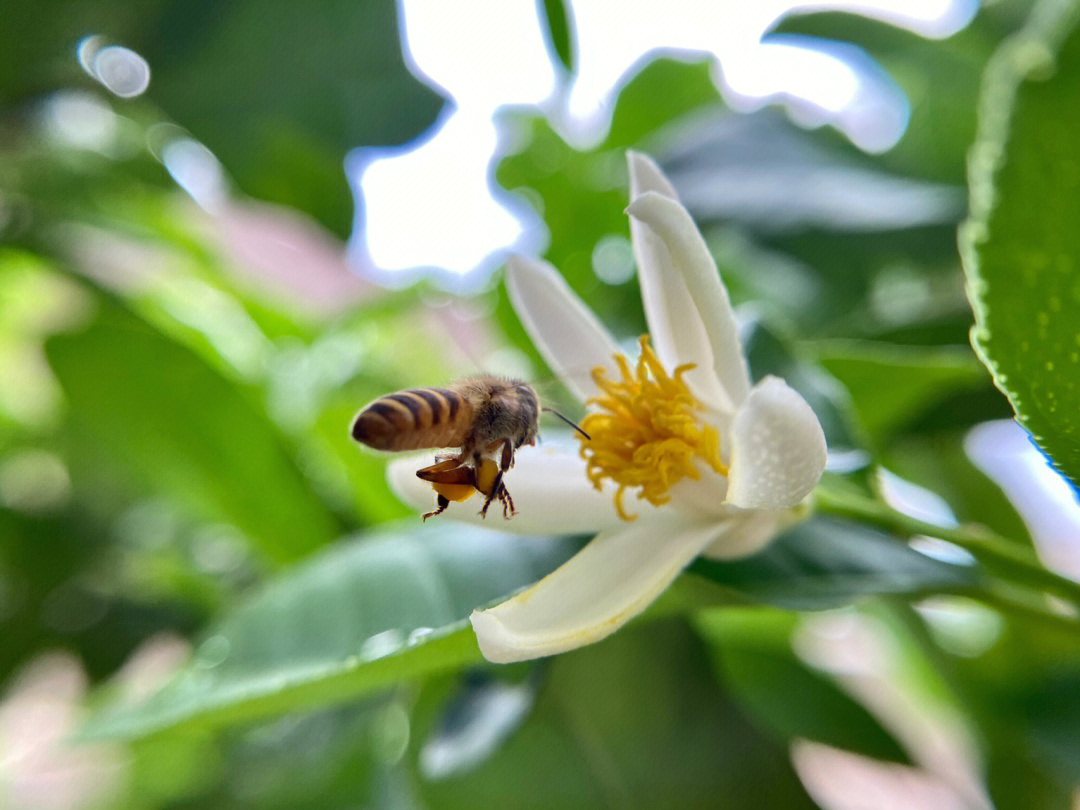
[(158, 416), (1021, 246), (824, 563), (825, 187), (892, 385), (557, 27), (637, 720), (751, 648), (360, 616)]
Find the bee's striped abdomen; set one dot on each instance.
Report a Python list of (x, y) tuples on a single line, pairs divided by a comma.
[(410, 420)]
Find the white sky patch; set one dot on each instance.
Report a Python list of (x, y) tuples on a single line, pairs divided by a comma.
[(433, 207), (431, 204)]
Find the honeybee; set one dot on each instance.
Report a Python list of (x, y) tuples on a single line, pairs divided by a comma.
[(483, 417)]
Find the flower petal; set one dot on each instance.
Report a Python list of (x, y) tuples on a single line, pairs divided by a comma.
[(611, 580), (777, 448), (748, 531), (565, 331), (674, 323), (690, 257), (548, 485)]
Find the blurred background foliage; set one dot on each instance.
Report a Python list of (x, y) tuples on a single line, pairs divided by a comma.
[(204, 582)]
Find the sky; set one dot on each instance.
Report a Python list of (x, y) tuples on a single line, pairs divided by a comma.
[(431, 205)]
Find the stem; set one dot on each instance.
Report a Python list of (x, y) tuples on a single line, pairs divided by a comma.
[(1006, 558)]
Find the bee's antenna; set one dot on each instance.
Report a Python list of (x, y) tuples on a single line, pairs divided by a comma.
[(569, 422)]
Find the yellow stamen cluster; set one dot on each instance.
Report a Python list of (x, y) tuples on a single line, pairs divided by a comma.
[(645, 431)]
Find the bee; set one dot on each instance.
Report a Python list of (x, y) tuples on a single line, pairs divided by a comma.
[(483, 417)]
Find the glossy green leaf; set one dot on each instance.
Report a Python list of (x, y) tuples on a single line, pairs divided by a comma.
[(360, 616), (637, 720), (159, 417), (1021, 245), (825, 563), (751, 648)]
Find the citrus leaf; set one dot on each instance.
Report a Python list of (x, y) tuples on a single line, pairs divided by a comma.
[(160, 417), (1021, 246), (357, 617)]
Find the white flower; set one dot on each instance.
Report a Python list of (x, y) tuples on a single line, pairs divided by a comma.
[(720, 465)]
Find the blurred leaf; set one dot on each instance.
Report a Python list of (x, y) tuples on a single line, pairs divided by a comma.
[(940, 78), (634, 721), (277, 91), (157, 412), (1049, 716), (879, 284), (751, 648), (825, 563), (1021, 245), (938, 462), (358, 617), (661, 92), (892, 385), (557, 27), (308, 84), (1017, 780), (761, 170), (54, 593)]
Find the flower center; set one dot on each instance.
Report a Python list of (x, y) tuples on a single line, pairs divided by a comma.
[(645, 431)]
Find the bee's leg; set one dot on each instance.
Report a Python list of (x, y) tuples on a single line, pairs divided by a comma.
[(440, 502), (507, 502), (498, 489), (489, 497)]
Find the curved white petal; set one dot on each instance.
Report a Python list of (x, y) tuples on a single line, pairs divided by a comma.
[(777, 448), (690, 257), (748, 531), (675, 326), (547, 483), (705, 495), (565, 331), (611, 580)]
